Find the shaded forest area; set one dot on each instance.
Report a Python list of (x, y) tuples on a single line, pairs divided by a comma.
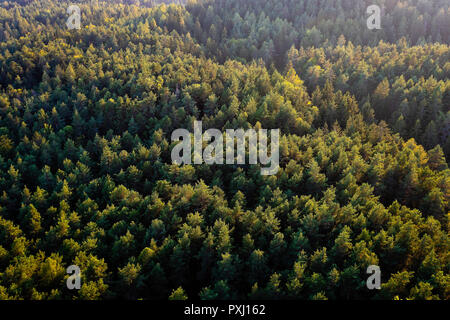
[(86, 176)]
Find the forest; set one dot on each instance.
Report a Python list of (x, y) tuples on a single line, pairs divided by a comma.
[(86, 176)]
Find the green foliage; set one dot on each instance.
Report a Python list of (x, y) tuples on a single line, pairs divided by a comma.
[(86, 177), (178, 294)]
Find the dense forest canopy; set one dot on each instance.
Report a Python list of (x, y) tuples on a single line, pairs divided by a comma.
[(86, 176), (401, 72)]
